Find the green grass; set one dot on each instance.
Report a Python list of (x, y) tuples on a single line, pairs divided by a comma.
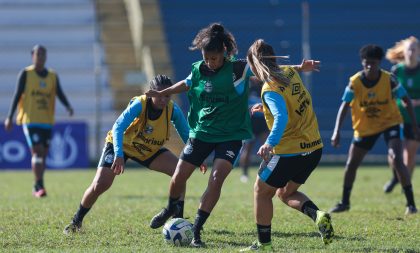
[(119, 220)]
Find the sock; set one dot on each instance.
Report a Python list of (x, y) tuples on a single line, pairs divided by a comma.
[(200, 219), (39, 184), (409, 195), (80, 214), (172, 203), (309, 208), (346, 195), (180, 213), (264, 233)]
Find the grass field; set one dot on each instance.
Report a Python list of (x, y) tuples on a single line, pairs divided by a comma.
[(119, 222)]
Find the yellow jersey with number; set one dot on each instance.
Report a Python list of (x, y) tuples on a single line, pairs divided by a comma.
[(374, 109), (37, 103), (301, 133), (144, 137)]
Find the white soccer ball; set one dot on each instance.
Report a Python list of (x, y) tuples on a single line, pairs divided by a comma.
[(178, 232)]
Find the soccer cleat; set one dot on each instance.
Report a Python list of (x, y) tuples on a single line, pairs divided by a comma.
[(410, 210), (197, 243), (159, 219), (244, 179), (340, 207), (257, 246), (41, 192), (389, 186), (73, 227), (323, 221)]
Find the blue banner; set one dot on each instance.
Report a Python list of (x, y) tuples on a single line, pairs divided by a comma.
[(68, 147)]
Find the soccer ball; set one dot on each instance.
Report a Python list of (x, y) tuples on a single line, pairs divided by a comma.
[(178, 232)]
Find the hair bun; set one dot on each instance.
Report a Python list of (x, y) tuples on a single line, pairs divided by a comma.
[(217, 28)]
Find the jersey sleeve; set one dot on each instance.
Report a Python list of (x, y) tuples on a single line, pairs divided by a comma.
[(20, 88), (180, 123), (132, 111), (348, 94), (278, 109), (188, 80)]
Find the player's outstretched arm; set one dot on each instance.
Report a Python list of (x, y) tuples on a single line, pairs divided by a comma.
[(179, 87)]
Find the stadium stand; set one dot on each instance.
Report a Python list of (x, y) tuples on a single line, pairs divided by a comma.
[(336, 36), (68, 30)]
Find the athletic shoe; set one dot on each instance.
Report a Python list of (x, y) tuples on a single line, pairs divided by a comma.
[(197, 243), (244, 179), (389, 186), (410, 210), (159, 219), (41, 192), (257, 246), (340, 207), (323, 221), (73, 227)]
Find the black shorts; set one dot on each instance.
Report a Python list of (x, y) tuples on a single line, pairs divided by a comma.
[(408, 131), (37, 135), (282, 169), (367, 142), (196, 151), (107, 157)]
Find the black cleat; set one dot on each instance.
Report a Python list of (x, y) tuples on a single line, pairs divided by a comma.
[(197, 243), (389, 186), (340, 207), (73, 227), (159, 219), (410, 210)]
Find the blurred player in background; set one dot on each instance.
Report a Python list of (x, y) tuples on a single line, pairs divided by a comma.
[(34, 97), (139, 133), (371, 94), (259, 129), (292, 150), (405, 54)]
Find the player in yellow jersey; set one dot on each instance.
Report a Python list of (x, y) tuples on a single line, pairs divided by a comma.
[(35, 95), (371, 95), (139, 134), (293, 148)]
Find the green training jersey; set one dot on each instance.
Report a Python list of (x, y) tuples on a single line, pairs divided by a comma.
[(410, 80), (218, 112)]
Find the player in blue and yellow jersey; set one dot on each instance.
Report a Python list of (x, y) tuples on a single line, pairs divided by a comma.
[(139, 134), (218, 120), (371, 95), (406, 55), (293, 148), (35, 95)]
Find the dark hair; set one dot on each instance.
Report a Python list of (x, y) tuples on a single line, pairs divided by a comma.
[(160, 82), (37, 47), (215, 38), (371, 51)]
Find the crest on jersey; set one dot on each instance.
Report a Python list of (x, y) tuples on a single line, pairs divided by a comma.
[(42, 84), (371, 94), (148, 129), (208, 87)]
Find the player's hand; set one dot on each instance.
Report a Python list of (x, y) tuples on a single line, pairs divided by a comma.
[(257, 108), (8, 124), (152, 93), (335, 139), (118, 165), (70, 111), (203, 168), (265, 151), (309, 65)]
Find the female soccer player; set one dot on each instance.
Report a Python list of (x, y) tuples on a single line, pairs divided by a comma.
[(293, 148), (406, 55), (35, 94), (139, 133), (218, 119), (371, 95)]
